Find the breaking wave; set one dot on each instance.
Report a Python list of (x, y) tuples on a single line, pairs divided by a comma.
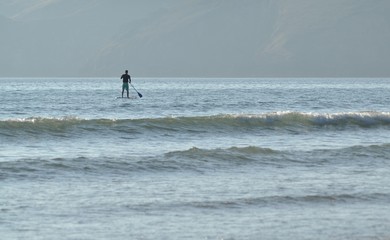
[(223, 122)]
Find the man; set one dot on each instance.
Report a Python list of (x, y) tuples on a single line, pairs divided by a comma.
[(126, 80)]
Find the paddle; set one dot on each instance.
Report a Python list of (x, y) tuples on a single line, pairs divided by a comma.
[(139, 94)]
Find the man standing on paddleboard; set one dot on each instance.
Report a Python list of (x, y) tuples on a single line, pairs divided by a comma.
[(126, 80)]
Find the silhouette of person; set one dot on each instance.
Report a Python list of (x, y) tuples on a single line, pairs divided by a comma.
[(126, 80)]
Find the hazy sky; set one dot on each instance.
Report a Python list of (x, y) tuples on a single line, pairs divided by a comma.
[(195, 38)]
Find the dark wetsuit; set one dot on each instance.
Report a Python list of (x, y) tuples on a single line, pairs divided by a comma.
[(126, 78)]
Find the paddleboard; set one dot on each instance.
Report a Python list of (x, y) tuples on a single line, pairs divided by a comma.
[(125, 98)]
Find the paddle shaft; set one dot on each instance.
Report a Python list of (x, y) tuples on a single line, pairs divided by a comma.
[(139, 94)]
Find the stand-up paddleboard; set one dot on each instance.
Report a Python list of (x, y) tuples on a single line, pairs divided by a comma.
[(127, 98)]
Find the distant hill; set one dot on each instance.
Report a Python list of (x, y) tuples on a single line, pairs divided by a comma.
[(195, 38)]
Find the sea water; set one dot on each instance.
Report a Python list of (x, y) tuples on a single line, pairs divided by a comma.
[(195, 159)]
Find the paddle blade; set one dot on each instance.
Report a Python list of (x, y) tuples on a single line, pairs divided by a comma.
[(140, 95)]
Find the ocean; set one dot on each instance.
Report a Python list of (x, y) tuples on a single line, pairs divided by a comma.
[(195, 158)]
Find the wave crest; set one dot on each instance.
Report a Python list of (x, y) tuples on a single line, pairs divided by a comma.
[(220, 123), (197, 160)]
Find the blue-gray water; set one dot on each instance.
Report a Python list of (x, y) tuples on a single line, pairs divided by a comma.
[(195, 159)]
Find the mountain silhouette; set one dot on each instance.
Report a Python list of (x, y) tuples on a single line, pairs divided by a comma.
[(196, 38)]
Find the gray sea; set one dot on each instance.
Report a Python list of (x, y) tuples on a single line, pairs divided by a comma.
[(195, 158)]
